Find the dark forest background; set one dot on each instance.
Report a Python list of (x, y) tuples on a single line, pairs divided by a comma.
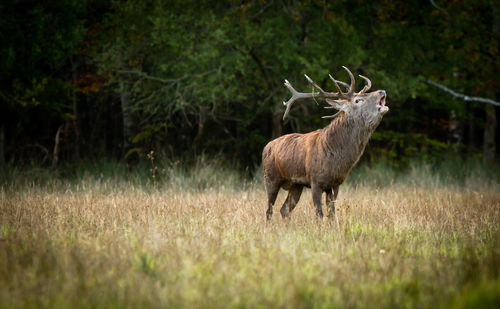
[(85, 80)]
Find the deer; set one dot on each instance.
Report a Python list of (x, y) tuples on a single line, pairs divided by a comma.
[(321, 160)]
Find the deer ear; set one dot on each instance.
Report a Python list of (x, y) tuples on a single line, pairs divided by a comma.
[(337, 104)]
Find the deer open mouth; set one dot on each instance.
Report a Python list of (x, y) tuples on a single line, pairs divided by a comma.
[(382, 101), (381, 105)]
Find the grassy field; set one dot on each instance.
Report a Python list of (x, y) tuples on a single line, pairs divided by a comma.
[(413, 239)]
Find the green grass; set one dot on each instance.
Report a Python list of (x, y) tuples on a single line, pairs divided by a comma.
[(104, 236)]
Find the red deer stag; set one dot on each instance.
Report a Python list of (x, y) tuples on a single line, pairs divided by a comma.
[(321, 160)]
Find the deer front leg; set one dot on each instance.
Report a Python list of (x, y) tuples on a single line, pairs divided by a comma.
[(331, 197), (316, 195)]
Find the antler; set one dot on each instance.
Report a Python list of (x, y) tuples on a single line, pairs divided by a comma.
[(350, 88), (305, 95), (367, 87), (337, 104)]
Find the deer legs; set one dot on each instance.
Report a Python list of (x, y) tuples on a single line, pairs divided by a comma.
[(331, 197), (291, 200), (316, 195)]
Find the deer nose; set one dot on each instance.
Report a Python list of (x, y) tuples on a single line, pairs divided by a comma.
[(382, 93)]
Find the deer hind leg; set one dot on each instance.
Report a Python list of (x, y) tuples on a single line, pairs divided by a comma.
[(272, 189), (331, 197), (291, 200), (316, 195)]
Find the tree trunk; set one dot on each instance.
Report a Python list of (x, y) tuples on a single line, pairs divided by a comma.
[(490, 127), (127, 118), (277, 125), (55, 153), (455, 132), (472, 132), (76, 127), (202, 119), (2, 145)]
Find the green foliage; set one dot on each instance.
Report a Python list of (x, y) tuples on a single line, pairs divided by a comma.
[(485, 295), (41, 38), (206, 77), (447, 171), (403, 148)]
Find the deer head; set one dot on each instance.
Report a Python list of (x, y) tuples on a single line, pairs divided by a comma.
[(369, 107)]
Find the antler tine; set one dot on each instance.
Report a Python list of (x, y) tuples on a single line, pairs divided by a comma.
[(323, 93), (304, 95), (336, 82), (295, 96), (331, 116), (346, 85), (353, 83), (367, 87)]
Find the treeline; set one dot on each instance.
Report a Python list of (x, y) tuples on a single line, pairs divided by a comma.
[(118, 79)]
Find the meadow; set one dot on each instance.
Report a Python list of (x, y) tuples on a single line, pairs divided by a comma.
[(424, 237)]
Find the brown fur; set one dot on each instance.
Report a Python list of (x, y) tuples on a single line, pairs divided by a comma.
[(320, 160)]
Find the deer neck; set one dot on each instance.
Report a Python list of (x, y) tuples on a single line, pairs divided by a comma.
[(345, 139)]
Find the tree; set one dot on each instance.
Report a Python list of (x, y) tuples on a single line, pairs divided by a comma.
[(190, 77), (37, 42)]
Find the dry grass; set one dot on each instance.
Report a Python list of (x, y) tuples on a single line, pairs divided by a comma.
[(417, 242)]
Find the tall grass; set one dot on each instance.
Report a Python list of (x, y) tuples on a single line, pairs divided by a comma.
[(106, 236)]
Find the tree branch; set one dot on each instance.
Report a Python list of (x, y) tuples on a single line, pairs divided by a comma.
[(262, 9), (460, 95), (171, 80), (146, 76), (439, 8)]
